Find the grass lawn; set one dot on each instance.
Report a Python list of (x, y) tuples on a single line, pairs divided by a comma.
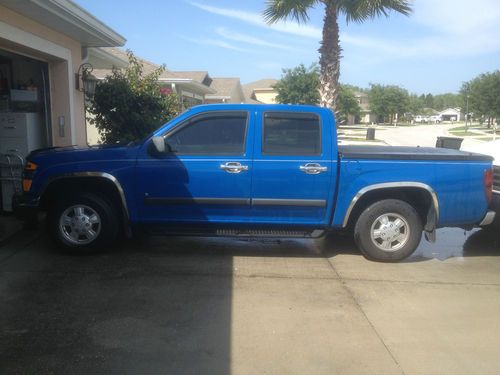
[(463, 131), (358, 139), (460, 133), (486, 139)]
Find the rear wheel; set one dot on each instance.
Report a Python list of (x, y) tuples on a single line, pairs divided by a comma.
[(83, 223), (388, 231)]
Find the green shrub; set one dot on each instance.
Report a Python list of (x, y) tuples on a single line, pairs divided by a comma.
[(128, 104)]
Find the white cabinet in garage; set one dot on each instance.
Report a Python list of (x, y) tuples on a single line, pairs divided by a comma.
[(20, 133)]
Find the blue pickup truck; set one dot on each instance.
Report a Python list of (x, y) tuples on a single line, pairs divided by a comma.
[(256, 170)]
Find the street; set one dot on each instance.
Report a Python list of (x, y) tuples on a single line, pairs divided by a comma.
[(420, 135), (219, 306)]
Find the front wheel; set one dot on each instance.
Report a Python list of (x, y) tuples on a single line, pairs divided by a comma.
[(388, 231), (83, 223)]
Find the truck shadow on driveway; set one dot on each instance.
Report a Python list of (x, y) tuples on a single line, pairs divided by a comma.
[(143, 310), (483, 243)]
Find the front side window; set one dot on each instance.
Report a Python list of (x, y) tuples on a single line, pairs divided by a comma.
[(211, 134), (291, 134)]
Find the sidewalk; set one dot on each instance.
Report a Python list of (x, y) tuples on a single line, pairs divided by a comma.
[(422, 135)]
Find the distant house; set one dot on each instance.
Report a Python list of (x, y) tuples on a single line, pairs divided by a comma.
[(261, 91), (366, 116), (226, 90), (427, 115), (190, 86), (451, 114)]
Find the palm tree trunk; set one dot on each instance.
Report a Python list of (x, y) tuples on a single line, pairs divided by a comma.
[(330, 54)]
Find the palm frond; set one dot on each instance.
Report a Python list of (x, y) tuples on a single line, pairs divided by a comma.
[(277, 10), (361, 10)]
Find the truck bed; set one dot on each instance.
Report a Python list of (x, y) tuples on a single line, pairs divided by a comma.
[(408, 153)]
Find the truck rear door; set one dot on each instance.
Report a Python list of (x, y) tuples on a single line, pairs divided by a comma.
[(293, 169)]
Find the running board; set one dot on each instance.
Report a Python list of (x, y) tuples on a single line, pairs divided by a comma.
[(235, 232), (274, 233)]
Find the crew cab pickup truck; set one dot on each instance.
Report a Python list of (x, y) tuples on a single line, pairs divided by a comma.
[(256, 170)]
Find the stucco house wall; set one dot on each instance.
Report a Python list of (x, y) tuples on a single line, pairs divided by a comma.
[(267, 97), (58, 33), (24, 36)]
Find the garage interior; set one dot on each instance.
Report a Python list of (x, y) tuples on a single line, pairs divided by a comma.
[(24, 117)]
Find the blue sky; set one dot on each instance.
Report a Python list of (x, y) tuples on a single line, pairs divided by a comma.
[(442, 44)]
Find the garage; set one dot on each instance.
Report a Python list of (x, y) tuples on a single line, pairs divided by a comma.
[(43, 46), (24, 116)]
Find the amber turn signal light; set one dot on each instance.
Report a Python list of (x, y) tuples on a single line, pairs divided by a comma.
[(27, 185), (31, 167)]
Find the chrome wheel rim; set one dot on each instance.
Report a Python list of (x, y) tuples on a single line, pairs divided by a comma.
[(390, 232), (80, 224)]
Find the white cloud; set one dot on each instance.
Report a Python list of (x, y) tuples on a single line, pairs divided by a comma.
[(244, 38), (458, 17), (216, 43), (257, 20), (449, 28), (452, 28), (428, 47), (458, 27)]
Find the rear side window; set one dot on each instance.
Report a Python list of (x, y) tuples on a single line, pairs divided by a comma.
[(291, 134), (211, 134)]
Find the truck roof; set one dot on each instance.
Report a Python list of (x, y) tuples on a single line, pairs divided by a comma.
[(267, 107)]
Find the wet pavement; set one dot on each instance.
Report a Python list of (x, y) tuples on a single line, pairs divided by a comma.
[(218, 306)]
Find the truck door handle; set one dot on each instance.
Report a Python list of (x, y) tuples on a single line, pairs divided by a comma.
[(313, 168), (233, 167)]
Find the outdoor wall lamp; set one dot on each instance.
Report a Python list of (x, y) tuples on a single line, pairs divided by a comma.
[(88, 81)]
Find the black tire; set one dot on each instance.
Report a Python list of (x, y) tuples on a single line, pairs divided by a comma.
[(384, 218), (106, 232)]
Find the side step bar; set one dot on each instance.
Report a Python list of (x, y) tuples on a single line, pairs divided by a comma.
[(235, 232), (269, 233)]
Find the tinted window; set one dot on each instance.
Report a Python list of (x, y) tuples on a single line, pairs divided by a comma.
[(293, 134), (211, 134)]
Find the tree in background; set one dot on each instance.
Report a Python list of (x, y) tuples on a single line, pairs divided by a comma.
[(429, 101), (484, 96), (347, 104), (389, 102), (330, 50), (129, 105), (423, 103), (416, 104), (448, 100), (298, 85)]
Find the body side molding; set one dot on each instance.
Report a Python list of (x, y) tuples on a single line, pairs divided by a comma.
[(289, 202), (237, 201)]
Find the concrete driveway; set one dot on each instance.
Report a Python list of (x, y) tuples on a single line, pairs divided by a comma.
[(213, 306)]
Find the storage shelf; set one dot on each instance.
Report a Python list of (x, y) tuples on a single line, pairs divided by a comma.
[(23, 96)]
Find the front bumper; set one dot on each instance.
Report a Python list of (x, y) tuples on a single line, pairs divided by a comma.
[(25, 206)]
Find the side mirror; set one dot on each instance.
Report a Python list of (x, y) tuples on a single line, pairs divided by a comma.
[(158, 144)]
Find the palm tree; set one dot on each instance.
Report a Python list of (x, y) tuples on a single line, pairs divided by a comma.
[(330, 50)]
